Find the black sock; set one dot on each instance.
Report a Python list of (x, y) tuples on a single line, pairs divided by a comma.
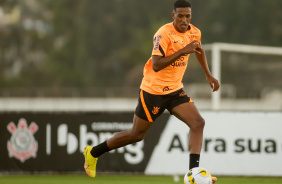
[(194, 160), (99, 149)]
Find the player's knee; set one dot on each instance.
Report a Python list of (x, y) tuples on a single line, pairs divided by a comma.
[(198, 124), (201, 123)]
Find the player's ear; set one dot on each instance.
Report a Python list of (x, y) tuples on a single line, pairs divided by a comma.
[(173, 14)]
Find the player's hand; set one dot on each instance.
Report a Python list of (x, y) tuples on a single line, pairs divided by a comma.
[(213, 83), (194, 46)]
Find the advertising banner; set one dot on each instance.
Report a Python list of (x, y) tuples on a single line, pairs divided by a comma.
[(235, 143), (54, 142)]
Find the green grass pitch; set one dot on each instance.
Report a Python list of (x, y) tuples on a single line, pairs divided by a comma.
[(124, 179)]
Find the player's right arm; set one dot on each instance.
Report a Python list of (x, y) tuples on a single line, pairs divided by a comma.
[(161, 62)]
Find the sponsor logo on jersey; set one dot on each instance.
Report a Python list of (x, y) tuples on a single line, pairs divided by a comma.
[(22, 144), (178, 64), (166, 89), (180, 41), (157, 42)]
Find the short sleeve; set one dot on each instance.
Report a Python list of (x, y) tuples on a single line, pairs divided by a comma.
[(161, 42), (198, 36)]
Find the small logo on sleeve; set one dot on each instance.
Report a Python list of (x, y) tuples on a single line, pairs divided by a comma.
[(157, 42)]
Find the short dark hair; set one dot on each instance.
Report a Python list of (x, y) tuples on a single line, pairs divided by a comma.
[(181, 4)]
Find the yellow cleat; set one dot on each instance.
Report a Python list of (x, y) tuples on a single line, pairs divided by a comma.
[(90, 162), (214, 179)]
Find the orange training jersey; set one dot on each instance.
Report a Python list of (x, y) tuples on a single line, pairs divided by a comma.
[(167, 41)]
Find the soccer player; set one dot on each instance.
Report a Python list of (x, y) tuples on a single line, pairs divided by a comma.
[(161, 88)]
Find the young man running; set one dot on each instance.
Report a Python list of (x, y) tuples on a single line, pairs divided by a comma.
[(161, 88)]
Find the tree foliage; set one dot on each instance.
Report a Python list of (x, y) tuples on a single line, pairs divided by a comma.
[(98, 43)]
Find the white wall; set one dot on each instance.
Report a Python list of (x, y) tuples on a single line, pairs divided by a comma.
[(123, 104)]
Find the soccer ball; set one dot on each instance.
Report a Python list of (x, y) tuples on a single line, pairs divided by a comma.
[(197, 175)]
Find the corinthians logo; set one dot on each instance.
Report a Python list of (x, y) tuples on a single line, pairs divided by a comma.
[(22, 144)]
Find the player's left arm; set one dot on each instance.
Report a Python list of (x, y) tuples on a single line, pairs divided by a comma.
[(203, 61)]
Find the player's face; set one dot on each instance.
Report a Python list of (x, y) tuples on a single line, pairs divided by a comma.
[(182, 18)]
